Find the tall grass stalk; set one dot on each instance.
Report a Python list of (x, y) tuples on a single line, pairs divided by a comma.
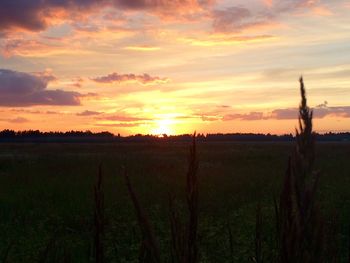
[(149, 251), (178, 234), (192, 202), (300, 227), (99, 218), (230, 241), (258, 258), (185, 237)]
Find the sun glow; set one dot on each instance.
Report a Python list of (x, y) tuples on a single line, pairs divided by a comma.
[(163, 126)]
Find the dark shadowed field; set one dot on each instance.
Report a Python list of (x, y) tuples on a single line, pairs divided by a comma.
[(46, 196)]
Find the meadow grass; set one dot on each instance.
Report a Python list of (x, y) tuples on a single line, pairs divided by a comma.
[(48, 189)]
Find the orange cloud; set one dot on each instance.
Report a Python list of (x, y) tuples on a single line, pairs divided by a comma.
[(322, 11), (269, 3), (36, 48)]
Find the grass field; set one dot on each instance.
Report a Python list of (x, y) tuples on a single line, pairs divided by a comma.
[(46, 197)]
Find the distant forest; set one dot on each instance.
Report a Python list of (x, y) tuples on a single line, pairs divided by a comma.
[(88, 136)]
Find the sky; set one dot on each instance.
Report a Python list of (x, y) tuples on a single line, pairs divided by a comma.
[(173, 66)]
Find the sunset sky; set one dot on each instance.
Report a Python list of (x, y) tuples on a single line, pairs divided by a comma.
[(173, 66)]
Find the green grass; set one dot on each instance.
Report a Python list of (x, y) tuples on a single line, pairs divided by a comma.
[(46, 193)]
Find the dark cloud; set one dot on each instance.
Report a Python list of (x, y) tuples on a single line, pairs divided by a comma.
[(164, 4), (23, 89), (119, 78), (36, 15), (22, 13), (89, 113)]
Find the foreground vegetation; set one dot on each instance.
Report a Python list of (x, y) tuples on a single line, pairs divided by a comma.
[(47, 194), (55, 209)]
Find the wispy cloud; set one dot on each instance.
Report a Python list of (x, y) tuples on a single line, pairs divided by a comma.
[(226, 40), (28, 111), (287, 74), (228, 114), (144, 48), (122, 118), (321, 111), (122, 125), (23, 47), (239, 18), (37, 48), (15, 120), (251, 116), (120, 78), (89, 113)]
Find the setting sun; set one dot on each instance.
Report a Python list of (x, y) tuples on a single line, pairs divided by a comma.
[(163, 127)]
